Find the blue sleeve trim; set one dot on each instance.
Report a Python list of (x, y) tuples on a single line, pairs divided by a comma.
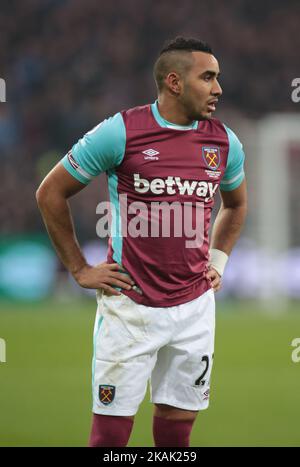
[(234, 173), (65, 162), (233, 184), (103, 147), (100, 150)]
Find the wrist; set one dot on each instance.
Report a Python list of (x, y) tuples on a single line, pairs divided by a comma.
[(76, 271), (218, 260)]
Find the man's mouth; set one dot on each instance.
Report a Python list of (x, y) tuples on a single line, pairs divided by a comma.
[(211, 105)]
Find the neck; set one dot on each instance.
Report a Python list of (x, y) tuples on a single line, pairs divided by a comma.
[(172, 111)]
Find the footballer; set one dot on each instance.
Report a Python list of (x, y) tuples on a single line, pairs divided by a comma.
[(155, 317)]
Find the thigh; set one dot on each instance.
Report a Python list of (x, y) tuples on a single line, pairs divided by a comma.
[(181, 376), (123, 359)]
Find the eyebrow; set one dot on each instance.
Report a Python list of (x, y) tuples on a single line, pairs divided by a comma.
[(210, 73)]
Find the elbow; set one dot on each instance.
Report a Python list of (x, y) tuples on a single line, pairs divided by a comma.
[(48, 196), (244, 208), (238, 210), (38, 196), (41, 195), (242, 212)]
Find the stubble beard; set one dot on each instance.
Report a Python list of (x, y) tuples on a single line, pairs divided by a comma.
[(191, 111)]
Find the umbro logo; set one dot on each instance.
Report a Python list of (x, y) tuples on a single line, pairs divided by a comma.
[(151, 154)]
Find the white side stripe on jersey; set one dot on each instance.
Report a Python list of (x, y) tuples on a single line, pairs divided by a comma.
[(232, 180), (84, 173), (77, 167)]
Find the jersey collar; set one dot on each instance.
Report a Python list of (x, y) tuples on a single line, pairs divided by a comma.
[(165, 124)]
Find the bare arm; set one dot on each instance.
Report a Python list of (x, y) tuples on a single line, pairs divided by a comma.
[(52, 198), (230, 219), (228, 224)]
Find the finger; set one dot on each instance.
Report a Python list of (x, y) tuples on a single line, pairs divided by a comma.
[(215, 283), (122, 277), (216, 289), (212, 275), (111, 290), (115, 267), (118, 283), (212, 272)]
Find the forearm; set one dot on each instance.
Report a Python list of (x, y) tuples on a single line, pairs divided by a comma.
[(58, 220), (227, 227)]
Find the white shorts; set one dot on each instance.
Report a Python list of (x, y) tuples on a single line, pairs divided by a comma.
[(173, 347)]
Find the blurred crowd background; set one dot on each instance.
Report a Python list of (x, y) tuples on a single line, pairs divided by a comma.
[(68, 64)]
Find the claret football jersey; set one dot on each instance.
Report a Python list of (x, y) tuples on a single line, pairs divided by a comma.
[(162, 181)]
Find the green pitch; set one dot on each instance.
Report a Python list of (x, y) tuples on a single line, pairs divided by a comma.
[(45, 394)]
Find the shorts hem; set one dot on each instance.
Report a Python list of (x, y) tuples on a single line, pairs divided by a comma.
[(178, 405), (116, 412)]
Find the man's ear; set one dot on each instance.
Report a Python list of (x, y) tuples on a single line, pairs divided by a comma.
[(173, 82)]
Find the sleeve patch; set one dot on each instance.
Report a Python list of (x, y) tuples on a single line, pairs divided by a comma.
[(77, 167)]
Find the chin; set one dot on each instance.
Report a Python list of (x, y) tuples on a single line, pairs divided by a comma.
[(204, 116), (200, 115)]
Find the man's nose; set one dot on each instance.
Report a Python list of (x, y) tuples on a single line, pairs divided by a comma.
[(216, 90)]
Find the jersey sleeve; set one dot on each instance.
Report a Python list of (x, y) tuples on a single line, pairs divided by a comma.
[(234, 173), (99, 150)]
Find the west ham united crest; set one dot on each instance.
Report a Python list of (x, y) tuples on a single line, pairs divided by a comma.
[(211, 156), (106, 393)]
